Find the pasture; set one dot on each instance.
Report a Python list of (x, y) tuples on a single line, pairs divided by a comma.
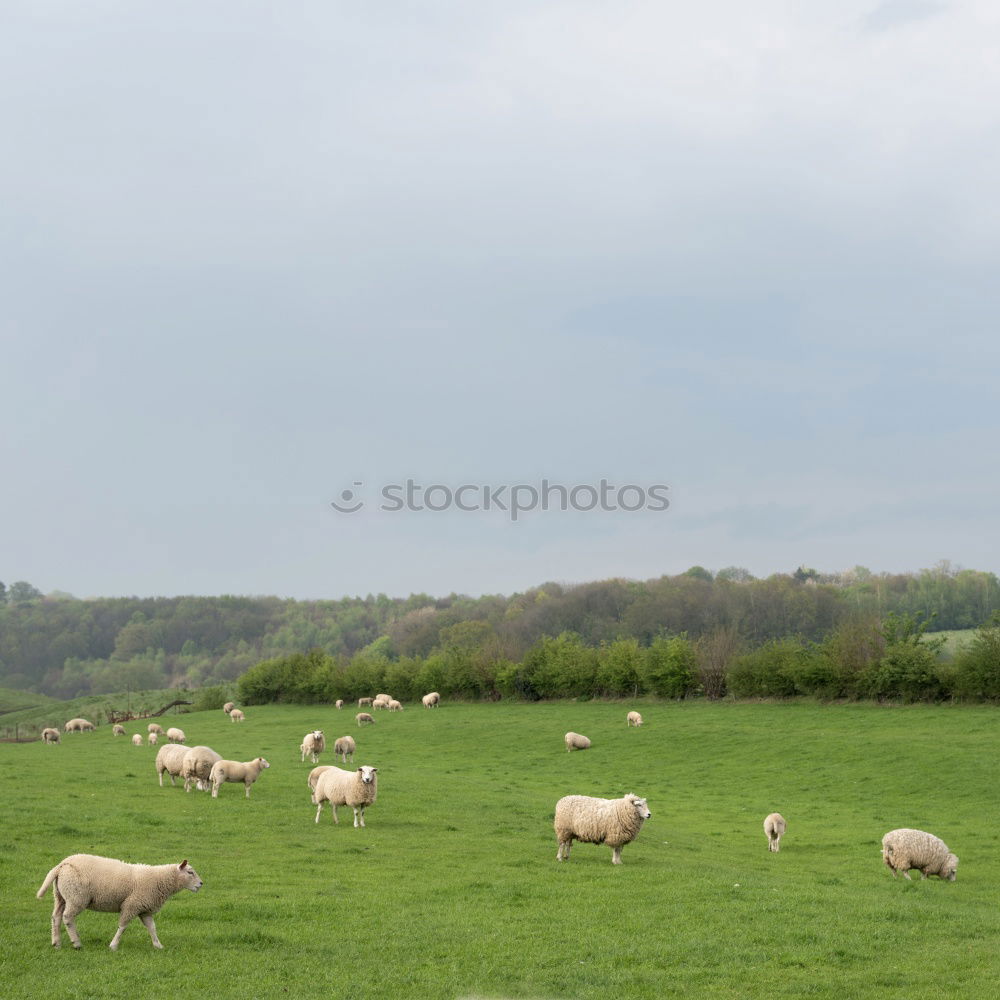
[(453, 889)]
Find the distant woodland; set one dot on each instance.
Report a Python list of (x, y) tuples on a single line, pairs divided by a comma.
[(855, 634)]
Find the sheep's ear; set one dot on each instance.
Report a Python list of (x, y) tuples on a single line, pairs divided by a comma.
[(183, 864)]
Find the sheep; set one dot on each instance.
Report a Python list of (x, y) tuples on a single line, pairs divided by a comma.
[(313, 744), (170, 758), (89, 882), (155, 727), (363, 718), (431, 700), (228, 707), (381, 701), (153, 739), (633, 719), (345, 747), (356, 789), (78, 726), (339, 703), (196, 766), (233, 770), (574, 741), (364, 701), (176, 735), (118, 730), (50, 735), (137, 739), (774, 827), (315, 773), (236, 715), (395, 706), (615, 822), (904, 849)]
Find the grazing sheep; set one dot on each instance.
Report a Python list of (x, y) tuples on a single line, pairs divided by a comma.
[(633, 719), (155, 727), (339, 703), (381, 701), (50, 735), (363, 718), (904, 849), (237, 715), (79, 726), (574, 741), (196, 766), (313, 744), (431, 700), (89, 882), (118, 730), (170, 758), (364, 701), (228, 707), (232, 770), (137, 739), (345, 747), (774, 827), (176, 735), (615, 822), (356, 789), (395, 706), (315, 773), (153, 739)]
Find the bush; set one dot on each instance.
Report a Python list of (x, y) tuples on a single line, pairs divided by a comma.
[(767, 672), (210, 699), (670, 668)]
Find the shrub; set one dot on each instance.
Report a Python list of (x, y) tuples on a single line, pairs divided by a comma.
[(670, 667)]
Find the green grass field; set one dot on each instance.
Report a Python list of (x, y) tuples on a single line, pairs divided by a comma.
[(453, 889)]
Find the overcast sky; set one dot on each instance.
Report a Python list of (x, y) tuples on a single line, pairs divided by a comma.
[(254, 254)]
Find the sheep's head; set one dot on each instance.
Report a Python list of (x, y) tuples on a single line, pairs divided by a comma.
[(641, 809), (317, 734), (367, 774), (261, 763), (191, 877), (950, 868)]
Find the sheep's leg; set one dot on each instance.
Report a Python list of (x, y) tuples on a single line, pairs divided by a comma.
[(58, 906), (616, 855), (359, 812), (906, 875), (147, 919), (69, 919), (319, 809), (333, 809), (247, 786), (563, 853), (161, 779), (123, 922), (215, 789)]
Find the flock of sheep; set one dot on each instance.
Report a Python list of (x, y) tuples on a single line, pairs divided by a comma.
[(85, 881)]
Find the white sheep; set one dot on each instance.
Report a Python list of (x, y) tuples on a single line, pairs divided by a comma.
[(89, 882), (170, 758), (236, 715), (137, 739), (233, 770), (381, 701), (345, 747), (615, 822), (431, 700), (904, 849), (50, 735), (78, 726), (153, 739), (774, 827), (356, 789), (176, 735), (313, 744), (339, 703), (228, 707), (118, 729), (363, 718), (364, 701), (315, 773), (574, 741), (633, 719), (155, 727), (196, 767), (395, 706)]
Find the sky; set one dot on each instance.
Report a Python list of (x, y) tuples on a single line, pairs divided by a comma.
[(258, 258)]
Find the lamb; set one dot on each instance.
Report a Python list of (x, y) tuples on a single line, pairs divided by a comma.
[(118, 730), (364, 701), (153, 739), (313, 744), (363, 718), (236, 715), (633, 719), (574, 741), (774, 827), (615, 822), (233, 770), (170, 758), (176, 735), (89, 882), (381, 701), (137, 739), (155, 727), (345, 747), (904, 849), (315, 773), (431, 700), (78, 726), (50, 735), (228, 707), (196, 767), (356, 789), (339, 703), (395, 706)]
